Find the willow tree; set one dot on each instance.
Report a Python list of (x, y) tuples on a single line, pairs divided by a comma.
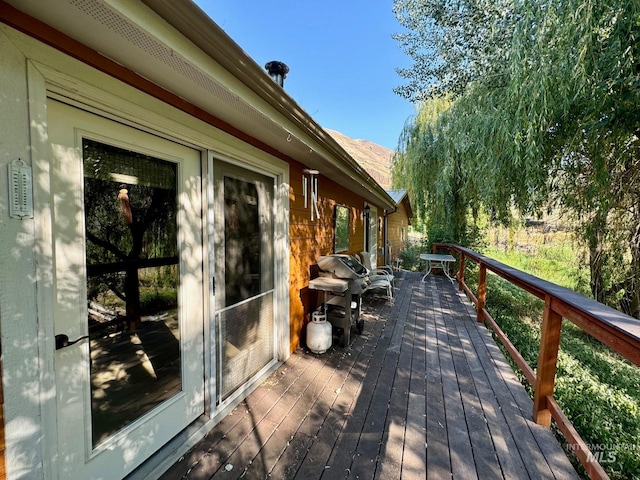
[(453, 45), (440, 186), (553, 118), (451, 42)]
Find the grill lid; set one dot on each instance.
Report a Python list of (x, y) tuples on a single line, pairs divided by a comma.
[(342, 266)]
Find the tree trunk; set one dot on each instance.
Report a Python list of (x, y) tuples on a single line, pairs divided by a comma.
[(132, 295), (631, 300), (596, 258), (132, 280)]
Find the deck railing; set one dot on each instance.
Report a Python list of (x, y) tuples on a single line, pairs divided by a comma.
[(618, 331)]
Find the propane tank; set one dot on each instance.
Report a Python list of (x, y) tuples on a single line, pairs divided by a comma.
[(319, 333)]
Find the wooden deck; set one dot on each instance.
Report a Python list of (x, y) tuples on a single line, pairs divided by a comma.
[(423, 392)]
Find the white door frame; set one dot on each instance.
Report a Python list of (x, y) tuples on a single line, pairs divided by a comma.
[(373, 235), (124, 450), (280, 213)]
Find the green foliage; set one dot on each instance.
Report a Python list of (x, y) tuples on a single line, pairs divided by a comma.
[(548, 115), (153, 301), (440, 188), (557, 263), (410, 255), (451, 43)]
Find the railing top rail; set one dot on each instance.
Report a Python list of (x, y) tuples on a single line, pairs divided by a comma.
[(587, 308)]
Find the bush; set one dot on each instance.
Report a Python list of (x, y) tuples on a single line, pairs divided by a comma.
[(153, 301), (410, 255)]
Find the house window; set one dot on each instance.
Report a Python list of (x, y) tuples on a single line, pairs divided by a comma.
[(341, 229)]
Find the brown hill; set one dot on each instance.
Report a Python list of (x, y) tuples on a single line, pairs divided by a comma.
[(374, 158)]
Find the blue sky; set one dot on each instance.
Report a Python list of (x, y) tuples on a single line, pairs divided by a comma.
[(341, 56)]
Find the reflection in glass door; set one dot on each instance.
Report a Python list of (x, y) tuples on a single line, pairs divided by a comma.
[(132, 284), (245, 302)]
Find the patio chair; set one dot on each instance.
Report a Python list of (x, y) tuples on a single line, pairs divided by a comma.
[(380, 284), (377, 273)]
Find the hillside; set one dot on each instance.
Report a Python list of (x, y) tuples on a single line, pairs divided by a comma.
[(375, 159)]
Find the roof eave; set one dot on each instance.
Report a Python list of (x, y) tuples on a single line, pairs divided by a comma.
[(193, 23)]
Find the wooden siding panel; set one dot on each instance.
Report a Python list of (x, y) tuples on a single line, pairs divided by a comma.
[(310, 239), (395, 223)]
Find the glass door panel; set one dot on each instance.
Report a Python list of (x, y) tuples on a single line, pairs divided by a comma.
[(245, 302), (132, 284)]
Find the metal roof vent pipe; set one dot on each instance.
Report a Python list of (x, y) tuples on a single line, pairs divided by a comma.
[(278, 71)]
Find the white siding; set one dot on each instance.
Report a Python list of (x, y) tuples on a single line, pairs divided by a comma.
[(18, 315)]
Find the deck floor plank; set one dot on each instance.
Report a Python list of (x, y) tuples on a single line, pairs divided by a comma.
[(414, 457), (393, 438), (438, 454), (345, 449), (288, 415), (459, 442), (424, 391), (556, 458), (484, 454), (367, 454), (503, 442), (357, 358)]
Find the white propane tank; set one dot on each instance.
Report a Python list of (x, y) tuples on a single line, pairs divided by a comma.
[(319, 333)]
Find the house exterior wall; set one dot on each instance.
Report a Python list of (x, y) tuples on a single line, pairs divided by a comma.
[(23, 385), (311, 239), (397, 227), (26, 285)]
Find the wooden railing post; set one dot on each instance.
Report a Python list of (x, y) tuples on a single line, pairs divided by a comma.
[(547, 363), (482, 292), (461, 272)]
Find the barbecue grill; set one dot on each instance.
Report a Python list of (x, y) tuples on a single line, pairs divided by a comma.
[(343, 279)]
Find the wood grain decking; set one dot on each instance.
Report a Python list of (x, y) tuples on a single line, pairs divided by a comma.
[(424, 392)]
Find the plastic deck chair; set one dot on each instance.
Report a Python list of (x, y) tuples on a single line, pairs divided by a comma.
[(373, 282), (378, 278)]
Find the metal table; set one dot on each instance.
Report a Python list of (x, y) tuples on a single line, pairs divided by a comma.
[(437, 261)]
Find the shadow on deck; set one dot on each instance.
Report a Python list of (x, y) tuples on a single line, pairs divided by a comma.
[(424, 391)]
